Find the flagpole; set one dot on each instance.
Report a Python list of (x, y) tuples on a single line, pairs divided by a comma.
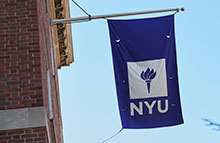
[(88, 18)]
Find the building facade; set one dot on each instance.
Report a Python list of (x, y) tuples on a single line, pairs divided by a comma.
[(31, 51)]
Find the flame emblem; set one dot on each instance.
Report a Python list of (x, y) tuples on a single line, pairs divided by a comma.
[(147, 76)]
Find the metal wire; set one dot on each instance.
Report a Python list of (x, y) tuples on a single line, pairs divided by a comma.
[(81, 8), (112, 136)]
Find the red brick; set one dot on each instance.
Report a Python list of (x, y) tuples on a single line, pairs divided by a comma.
[(12, 67), (25, 77), (14, 102), (29, 136), (34, 65), (28, 130), (39, 130), (5, 104), (29, 140), (5, 137), (14, 98), (22, 41), (42, 134), (13, 75), (5, 95), (3, 133), (40, 139), (21, 0), (13, 132), (26, 70), (14, 106), (16, 141), (12, 60), (36, 104), (2, 99), (16, 137), (4, 35), (27, 93)]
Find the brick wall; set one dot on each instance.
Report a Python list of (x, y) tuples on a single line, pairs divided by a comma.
[(20, 71), (25, 45), (31, 135)]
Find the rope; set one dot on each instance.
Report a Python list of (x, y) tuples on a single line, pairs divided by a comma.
[(112, 136), (82, 9)]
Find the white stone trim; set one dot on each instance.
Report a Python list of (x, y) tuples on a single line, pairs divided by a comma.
[(22, 118)]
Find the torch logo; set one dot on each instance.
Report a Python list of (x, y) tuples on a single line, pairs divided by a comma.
[(147, 79), (148, 76)]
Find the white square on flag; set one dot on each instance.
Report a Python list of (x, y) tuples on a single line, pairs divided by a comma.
[(140, 84)]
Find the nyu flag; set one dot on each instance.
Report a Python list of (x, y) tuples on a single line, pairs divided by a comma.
[(145, 67)]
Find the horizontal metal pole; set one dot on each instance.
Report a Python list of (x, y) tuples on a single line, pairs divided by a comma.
[(81, 19)]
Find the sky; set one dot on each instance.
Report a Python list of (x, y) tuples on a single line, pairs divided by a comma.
[(87, 88)]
